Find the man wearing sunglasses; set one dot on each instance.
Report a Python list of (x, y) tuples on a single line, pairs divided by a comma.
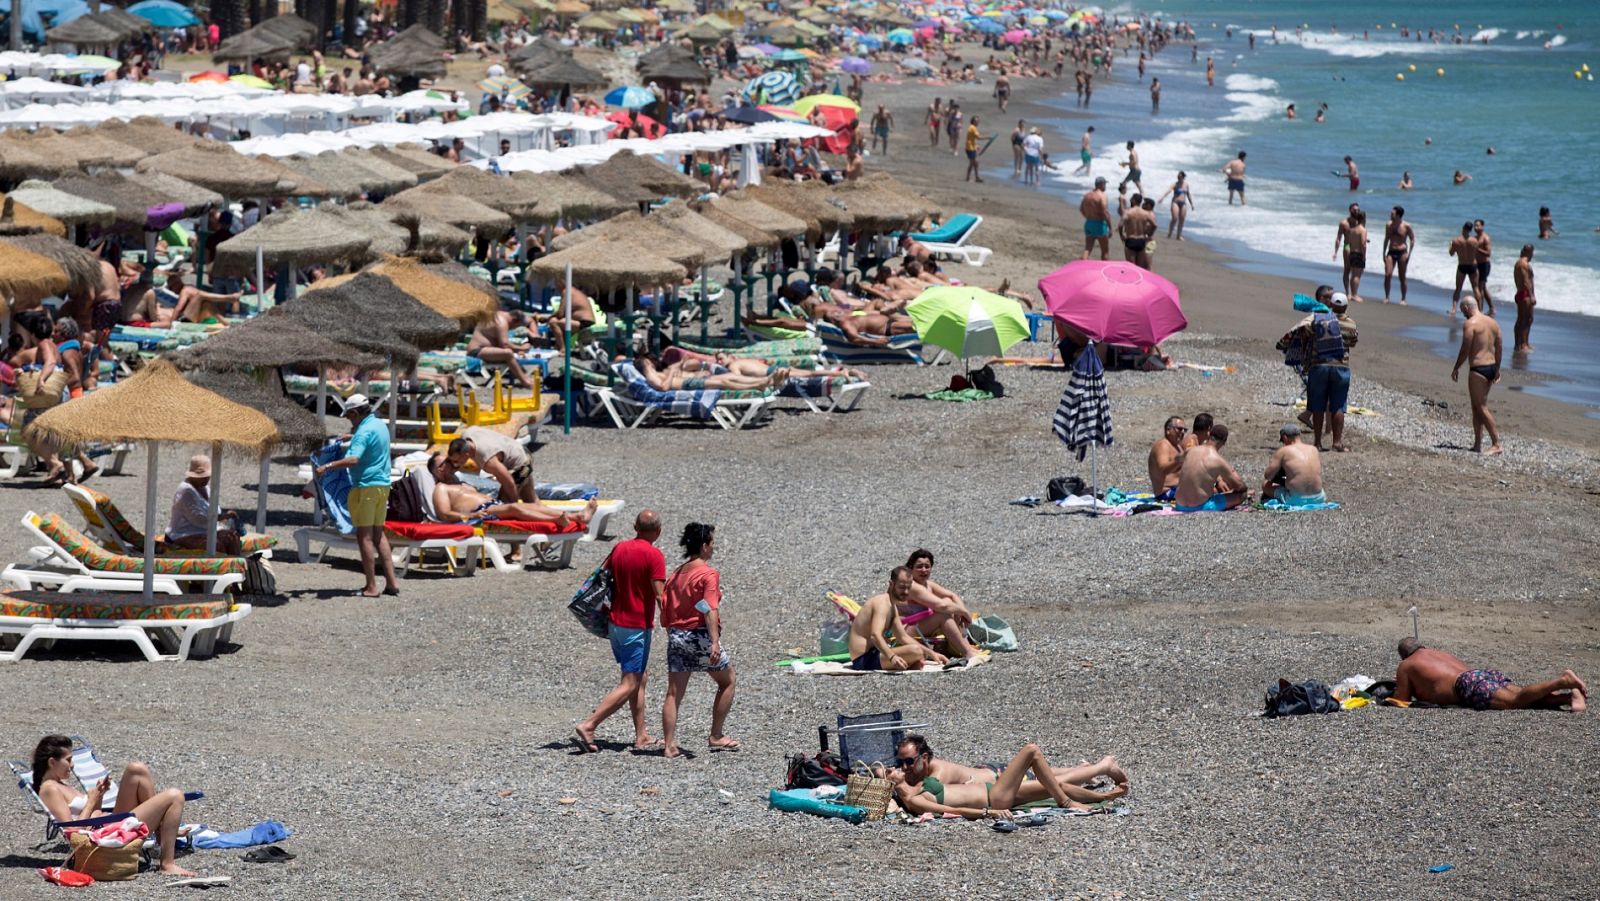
[(1166, 459)]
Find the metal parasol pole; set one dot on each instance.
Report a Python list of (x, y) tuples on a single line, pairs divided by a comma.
[(153, 459), (261, 492), (566, 308), (214, 508)]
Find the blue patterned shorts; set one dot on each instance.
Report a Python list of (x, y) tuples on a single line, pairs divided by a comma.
[(1476, 687)]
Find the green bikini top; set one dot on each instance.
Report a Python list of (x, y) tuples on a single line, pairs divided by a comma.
[(933, 787)]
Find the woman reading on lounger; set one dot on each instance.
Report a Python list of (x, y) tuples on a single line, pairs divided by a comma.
[(137, 796), (919, 791)]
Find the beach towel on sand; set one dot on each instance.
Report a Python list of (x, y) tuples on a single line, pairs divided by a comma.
[(264, 833), (837, 668)]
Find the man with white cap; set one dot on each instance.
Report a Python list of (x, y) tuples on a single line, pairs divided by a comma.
[(191, 513), (1324, 341), (369, 492)]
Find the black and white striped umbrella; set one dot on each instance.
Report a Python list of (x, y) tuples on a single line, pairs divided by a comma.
[(1083, 418)]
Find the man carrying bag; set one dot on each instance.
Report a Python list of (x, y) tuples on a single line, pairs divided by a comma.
[(638, 576)]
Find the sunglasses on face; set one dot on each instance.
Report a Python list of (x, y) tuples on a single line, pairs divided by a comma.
[(905, 763)]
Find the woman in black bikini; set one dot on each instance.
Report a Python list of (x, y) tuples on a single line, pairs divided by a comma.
[(1182, 200)]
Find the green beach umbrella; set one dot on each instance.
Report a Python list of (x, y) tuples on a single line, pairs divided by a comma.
[(968, 322)]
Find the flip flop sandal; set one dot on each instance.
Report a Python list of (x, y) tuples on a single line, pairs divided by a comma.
[(1004, 826), (730, 746), (1032, 820), (269, 854), (202, 882)]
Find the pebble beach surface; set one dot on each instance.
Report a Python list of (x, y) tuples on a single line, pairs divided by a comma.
[(420, 746)]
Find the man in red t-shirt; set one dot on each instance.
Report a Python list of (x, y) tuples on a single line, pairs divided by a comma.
[(639, 578)]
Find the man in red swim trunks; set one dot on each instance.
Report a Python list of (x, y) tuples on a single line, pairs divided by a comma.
[(1438, 677)]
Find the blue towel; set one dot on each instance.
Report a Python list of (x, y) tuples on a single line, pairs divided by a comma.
[(1304, 304), (260, 834), (333, 489), (565, 491)]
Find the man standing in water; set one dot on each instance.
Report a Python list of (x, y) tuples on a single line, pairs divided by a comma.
[(1235, 173), (1522, 275), (1480, 351), (1352, 173), (1485, 250), (1096, 220), (1155, 96), (1211, 73), (1464, 247), (1341, 244), (1398, 242), (1086, 152), (1132, 165)]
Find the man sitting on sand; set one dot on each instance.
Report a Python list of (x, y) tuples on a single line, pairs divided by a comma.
[(950, 615), (869, 650), (920, 769), (1294, 474), (1166, 459), (454, 501), (1438, 677), (1207, 481)]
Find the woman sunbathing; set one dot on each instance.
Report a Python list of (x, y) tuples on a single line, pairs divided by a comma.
[(677, 380), (691, 363), (137, 796), (920, 791)]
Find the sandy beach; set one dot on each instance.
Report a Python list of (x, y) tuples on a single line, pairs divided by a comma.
[(419, 746)]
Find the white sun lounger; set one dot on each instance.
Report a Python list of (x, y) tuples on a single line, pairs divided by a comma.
[(58, 568), (160, 639)]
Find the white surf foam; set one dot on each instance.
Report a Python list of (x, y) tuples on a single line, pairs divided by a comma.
[(1487, 34), (1239, 81), (1524, 35), (1556, 41), (1349, 46), (1253, 107)]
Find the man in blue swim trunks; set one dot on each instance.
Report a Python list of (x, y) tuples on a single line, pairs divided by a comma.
[(1207, 481), (1294, 474), (1096, 220), (1438, 677), (869, 649)]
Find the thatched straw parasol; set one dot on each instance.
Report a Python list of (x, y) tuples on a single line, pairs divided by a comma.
[(21, 219), (291, 236), (20, 159), (461, 212), (540, 52), (288, 26), (132, 198), (559, 71), (68, 208), (570, 199), (72, 153), (391, 229), (809, 202), (27, 277), (670, 62), (414, 159), (148, 134), (752, 236), (388, 176), (81, 266), (84, 31), (629, 193), (156, 404), (880, 202), (129, 23), (568, 8), (374, 314), (442, 295), (347, 176), (606, 265), (92, 143), (725, 242), (456, 272), (411, 60), (469, 303), (514, 198), (217, 167), (415, 34), (648, 172), (299, 430), (766, 218), (633, 231), (250, 45), (275, 338)]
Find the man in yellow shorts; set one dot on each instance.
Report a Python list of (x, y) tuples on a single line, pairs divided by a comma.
[(369, 492)]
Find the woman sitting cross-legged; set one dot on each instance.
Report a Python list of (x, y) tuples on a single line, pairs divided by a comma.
[(137, 796)]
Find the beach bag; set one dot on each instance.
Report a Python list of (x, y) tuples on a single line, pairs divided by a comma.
[(49, 395), (992, 633), (104, 864), (984, 380), (405, 502), (1299, 698), (868, 792), (1327, 341), (592, 604), (259, 579), (1065, 486), (814, 772)]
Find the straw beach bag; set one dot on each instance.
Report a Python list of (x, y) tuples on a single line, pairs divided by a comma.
[(869, 792), (104, 864)]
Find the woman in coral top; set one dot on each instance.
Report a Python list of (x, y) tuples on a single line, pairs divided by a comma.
[(690, 613)]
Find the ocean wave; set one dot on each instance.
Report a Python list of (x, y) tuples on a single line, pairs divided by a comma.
[(1524, 35), (1487, 34), (1253, 107), (1242, 82), (1556, 41), (1350, 47)]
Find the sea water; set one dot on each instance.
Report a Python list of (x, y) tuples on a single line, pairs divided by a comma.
[(1517, 94)]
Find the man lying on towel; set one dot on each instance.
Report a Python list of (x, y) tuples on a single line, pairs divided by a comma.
[(1294, 474), (926, 784), (1207, 480), (691, 363), (869, 650), (454, 501)]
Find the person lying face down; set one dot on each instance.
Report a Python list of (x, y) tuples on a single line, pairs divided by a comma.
[(1438, 677)]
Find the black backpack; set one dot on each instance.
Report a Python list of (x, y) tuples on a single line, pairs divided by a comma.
[(984, 380), (405, 501), (1065, 486), (1286, 699), (814, 772)]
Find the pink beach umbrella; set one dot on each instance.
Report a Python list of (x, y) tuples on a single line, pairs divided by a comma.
[(1017, 35), (1114, 302)]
